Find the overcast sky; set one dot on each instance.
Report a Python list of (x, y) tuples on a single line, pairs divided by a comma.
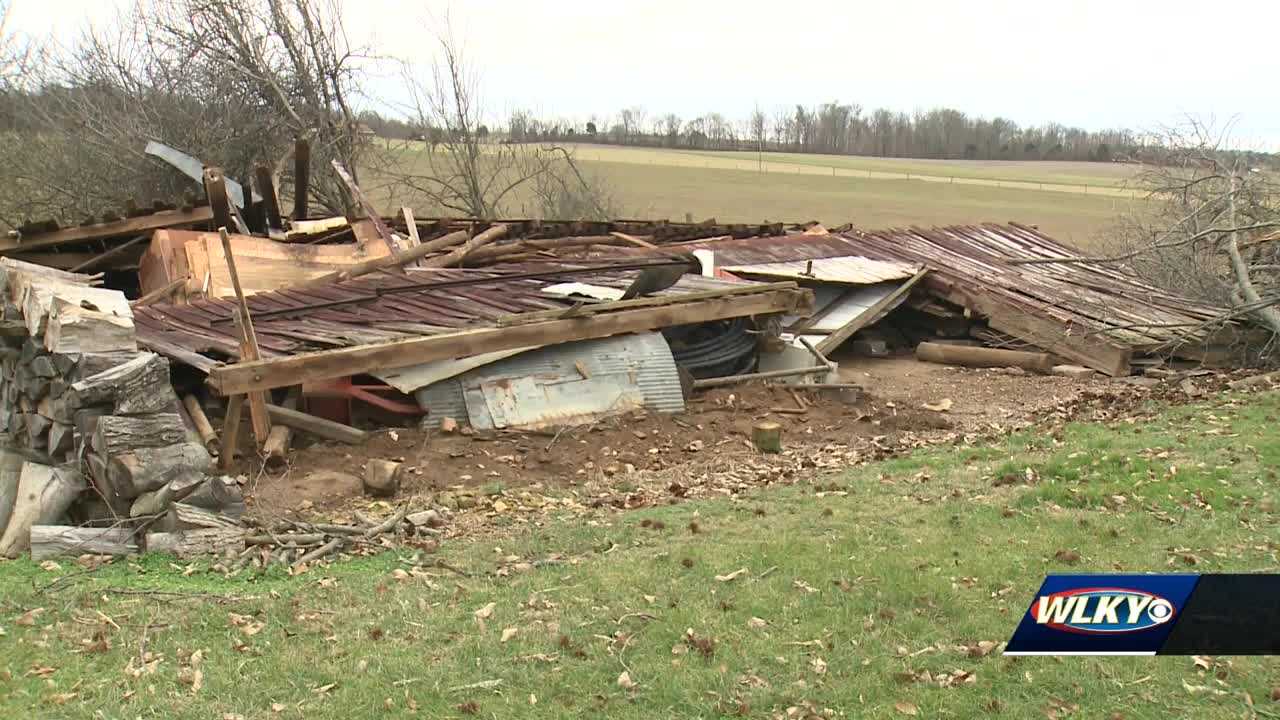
[(1113, 63)]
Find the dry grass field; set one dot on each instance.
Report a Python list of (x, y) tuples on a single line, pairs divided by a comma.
[(1075, 202)]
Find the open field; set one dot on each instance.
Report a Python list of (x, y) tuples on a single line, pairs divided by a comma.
[(1057, 176), (851, 588), (667, 190)]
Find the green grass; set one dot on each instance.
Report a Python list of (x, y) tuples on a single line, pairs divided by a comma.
[(864, 580)]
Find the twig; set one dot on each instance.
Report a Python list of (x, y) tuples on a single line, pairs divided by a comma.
[(320, 552), (389, 524)]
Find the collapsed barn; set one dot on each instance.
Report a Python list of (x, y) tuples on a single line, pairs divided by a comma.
[(126, 420)]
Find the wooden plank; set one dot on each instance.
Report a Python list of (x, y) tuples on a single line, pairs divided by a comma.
[(370, 212), (280, 372), (257, 401), (318, 426), (301, 177), (103, 231), (231, 430), (265, 265), (270, 201), (873, 313), (1090, 351), (224, 211)]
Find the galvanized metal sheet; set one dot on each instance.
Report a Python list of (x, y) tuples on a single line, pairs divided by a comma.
[(846, 270), (537, 401), (640, 364), (851, 306)]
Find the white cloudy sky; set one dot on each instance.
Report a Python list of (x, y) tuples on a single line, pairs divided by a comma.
[(1095, 64)]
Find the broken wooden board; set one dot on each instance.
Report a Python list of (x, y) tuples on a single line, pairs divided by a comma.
[(101, 231), (263, 264), (308, 367)]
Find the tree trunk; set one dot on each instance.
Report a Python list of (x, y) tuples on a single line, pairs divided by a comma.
[(982, 357), (52, 540), (44, 494), (204, 542)]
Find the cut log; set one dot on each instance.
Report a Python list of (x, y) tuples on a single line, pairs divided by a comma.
[(158, 501), (119, 433), (52, 540), (138, 386), (276, 449), (203, 542), (10, 471), (219, 494), (201, 422), (44, 494), (382, 478), (320, 427), (61, 439), (231, 430), (91, 363), (426, 518), (74, 329), (187, 517), (144, 469), (983, 357), (767, 437)]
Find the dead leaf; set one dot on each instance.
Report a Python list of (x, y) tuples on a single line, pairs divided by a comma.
[(1070, 557), (756, 623), (50, 566), (1202, 662), (323, 689), (732, 576), (625, 682), (486, 612), (906, 708), (818, 665), (277, 707), (942, 405), (28, 618), (509, 633), (62, 698)]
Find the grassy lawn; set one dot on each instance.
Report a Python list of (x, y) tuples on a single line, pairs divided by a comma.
[(878, 592)]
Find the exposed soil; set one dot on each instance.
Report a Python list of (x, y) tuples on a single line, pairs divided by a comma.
[(613, 456)]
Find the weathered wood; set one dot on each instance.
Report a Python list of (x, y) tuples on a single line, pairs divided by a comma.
[(201, 421), (767, 437), (231, 430), (115, 252), (54, 540), (10, 472), (158, 501), (281, 372), (382, 478), (982, 357), (61, 439), (871, 315), (205, 542), (266, 186), (91, 363), (138, 386), (74, 330), (458, 256), (44, 494), (38, 430), (224, 212), (276, 449), (160, 294), (386, 262), (188, 516), (219, 494), (371, 213), (150, 468), (301, 177), (102, 231), (320, 427), (121, 433), (249, 347)]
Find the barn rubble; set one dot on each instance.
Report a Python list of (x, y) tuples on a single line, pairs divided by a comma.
[(152, 356)]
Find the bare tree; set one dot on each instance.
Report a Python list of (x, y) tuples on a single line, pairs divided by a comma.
[(233, 82), (474, 173)]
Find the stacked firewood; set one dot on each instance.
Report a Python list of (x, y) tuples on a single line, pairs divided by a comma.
[(105, 451)]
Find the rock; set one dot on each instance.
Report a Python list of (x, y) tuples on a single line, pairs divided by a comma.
[(382, 478), (1078, 372), (448, 425), (426, 518)]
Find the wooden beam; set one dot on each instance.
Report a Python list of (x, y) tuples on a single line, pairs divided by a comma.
[(280, 372), (105, 231), (250, 351), (231, 430), (982, 357), (371, 213), (224, 211), (113, 252), (1051, 335), (872, 314), (270, 200), (301, 177), (317, 426), (159, 294)]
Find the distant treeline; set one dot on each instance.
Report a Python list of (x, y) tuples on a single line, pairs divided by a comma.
[(831, 128)]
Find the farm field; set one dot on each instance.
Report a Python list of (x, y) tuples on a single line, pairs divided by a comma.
[(882, 591), (674, 185)]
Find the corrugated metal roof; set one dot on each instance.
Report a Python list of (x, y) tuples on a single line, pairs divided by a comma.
[(845, 270), (748, 251), (370, 309), (547, 386), (851, 306)]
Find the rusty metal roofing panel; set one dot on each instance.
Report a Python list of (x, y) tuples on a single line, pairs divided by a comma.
[(845, 270)]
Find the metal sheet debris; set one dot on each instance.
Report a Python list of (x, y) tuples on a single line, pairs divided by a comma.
[(563, 384), (846, 270)]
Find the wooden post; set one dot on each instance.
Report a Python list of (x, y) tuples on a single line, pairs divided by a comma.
[(276, 448), (301, 177), (224, 212), (982, 357), (231, 430), (270, 201), (767, 437), (411, 227), (207, 434), (257, 400)]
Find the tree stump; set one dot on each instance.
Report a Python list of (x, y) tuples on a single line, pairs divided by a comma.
[(382, 478), (767, 437)]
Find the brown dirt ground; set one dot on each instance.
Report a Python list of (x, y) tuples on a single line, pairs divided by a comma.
[(612, 457)]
